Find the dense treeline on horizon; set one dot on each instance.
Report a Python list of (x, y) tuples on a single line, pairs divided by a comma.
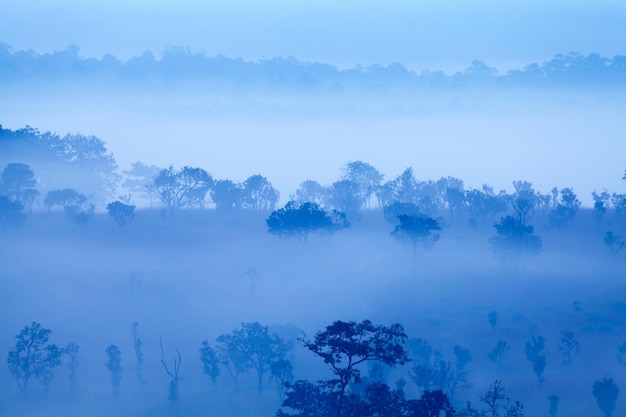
[(571, 71)]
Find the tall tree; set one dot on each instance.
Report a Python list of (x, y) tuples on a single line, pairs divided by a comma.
[(366, 177), (259, 194)]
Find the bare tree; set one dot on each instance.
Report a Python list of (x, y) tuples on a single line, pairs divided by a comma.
[(173, 385)]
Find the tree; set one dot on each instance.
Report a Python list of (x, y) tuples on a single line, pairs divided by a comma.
[(301, 219), (534, 353), (259, 194), (253, 346), (345, 345), (75, 205), (419, 231), (227, 195), (605, 392), (11, 213), (121, 213), (365, 176), (73, 359), (33, 356), (172, 388), (186, 188), (498, 353), (514, 241), (140, 179), (114, 366), (569, 348), (346, 197), (17, 182), (137, 343), (282, 371), (565, 210), (210, 362), (312, 192)]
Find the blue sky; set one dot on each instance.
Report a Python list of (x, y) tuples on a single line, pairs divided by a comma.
[(423, 35)]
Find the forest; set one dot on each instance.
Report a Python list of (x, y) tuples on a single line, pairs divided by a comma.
[(158, 291)]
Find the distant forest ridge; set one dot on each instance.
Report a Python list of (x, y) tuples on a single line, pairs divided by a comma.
[(571, 70)]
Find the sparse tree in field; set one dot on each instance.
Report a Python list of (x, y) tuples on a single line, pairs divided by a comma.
[(605, 392), (493, 398), (569, 348), (299, 220), (137, 343), (121, 213), (498, 353), (514, 241), (554, 405), (33, 356), (114, 366), (420, 232), (75, 205), (345, 345), (600, 205), (17, 182), (252, 347), (535, 355), (11, 213), (73, 359), (210, 362), (493, 319), (172, 388)]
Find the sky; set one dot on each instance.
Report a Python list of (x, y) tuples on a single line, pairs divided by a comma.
[(420, 34)]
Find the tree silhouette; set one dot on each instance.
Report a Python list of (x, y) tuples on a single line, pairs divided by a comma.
[(514, 241), (185, 188), (299, 220), (253, 346), (121, 213), (114, 366), (210, 362), (17, 182), (605, 392), (33, 356), (419, 231), (345, 345), (11, 213)]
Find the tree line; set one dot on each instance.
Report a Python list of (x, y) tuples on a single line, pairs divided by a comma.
[(178, 63)]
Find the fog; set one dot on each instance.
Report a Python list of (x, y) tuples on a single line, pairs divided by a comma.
[(196, 195)]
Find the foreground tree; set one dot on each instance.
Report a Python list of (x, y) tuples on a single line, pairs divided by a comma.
[(253, 346), (33, 356), (299, 220), (345, 345), (172, 388)]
